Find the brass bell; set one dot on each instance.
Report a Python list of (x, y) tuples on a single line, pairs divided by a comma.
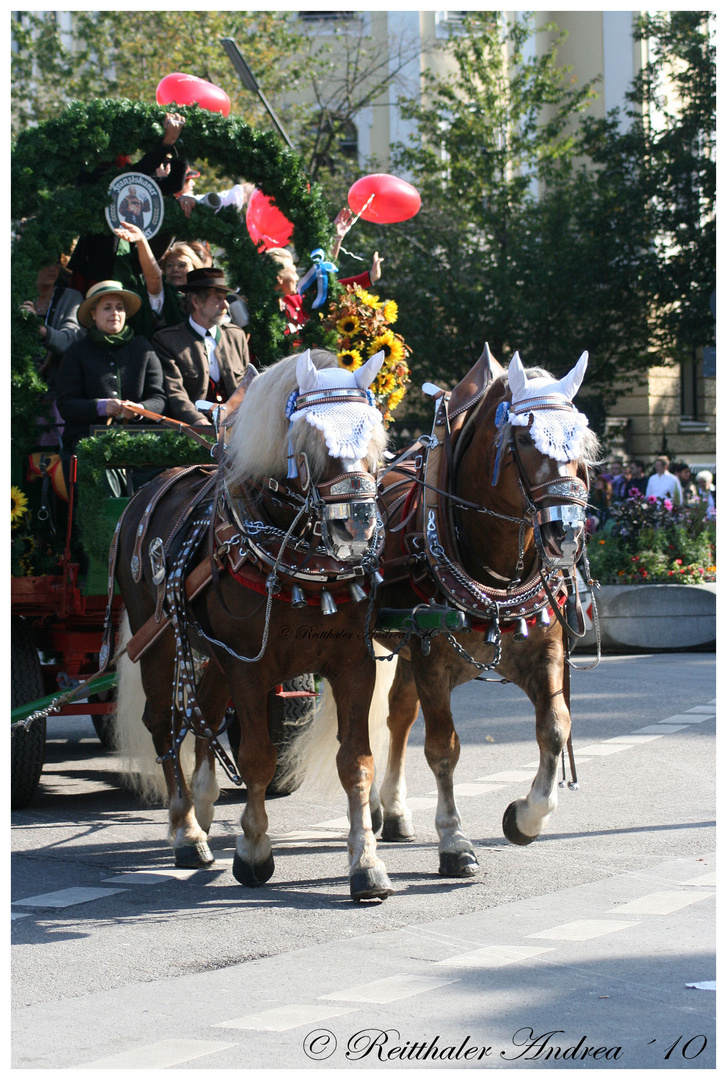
[(543, 618), (328, 604), (376, 579), (521, 630), (297, 597), (491, 635), (357, 593)]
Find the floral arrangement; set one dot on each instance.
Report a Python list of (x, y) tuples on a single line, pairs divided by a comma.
[(652, 541), (30, 554), (363, 324)]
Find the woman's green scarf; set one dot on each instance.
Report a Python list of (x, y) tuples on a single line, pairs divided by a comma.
[(113, 341)]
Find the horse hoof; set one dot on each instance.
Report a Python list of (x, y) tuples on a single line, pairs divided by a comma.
[(510, 829), (396, 832), (252, 876), (377, 819), (193, 857), (458, 864), (370, 885)]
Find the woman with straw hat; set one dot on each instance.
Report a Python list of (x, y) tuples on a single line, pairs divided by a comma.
[(108, 367)]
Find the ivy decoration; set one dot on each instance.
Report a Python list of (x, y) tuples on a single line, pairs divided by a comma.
[(119, 448), (45, 163)]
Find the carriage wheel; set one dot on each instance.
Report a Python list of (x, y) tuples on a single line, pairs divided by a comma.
[(287, 717), (27, 746), (105, 723)]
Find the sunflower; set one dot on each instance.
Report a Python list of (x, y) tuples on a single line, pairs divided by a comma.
[(385, 383), (391, 311), (392, 345), (350, 359), (18, 505), (348, 325), (367, 298)]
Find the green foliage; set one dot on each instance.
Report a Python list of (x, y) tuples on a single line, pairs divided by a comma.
[(648, 541), (141, 47), (45, 162), (666, 165), (117, 448)]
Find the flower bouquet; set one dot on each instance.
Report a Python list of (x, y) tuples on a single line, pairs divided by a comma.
[(363, 324), (652, 541)]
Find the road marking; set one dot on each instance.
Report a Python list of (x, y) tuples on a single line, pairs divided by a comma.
[(582, 930), (658, 903), (508, 777), (703, 879), (659, 729), (334, 823), (160, 1055), (311, 835), (602, 749), (382, 991), (283, 1018), (633, 740), (151, 877), (67, 897), (463, 790), (704, 708), (689, 718), (19, 915), (493, 956)]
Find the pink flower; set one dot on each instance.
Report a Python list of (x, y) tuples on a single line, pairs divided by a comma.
[(668, 504), (652, 500)]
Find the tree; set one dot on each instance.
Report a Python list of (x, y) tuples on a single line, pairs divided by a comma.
[(488, 136), (549, 232), (125, 54), (676, 95)]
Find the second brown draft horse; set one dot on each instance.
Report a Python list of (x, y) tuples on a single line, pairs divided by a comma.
[(484, 524)]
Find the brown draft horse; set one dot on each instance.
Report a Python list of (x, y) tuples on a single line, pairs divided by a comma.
[(472, 529), (255, 636)]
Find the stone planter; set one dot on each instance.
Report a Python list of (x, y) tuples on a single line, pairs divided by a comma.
[(655, 618)]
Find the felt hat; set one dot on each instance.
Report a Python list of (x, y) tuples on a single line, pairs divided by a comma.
[(209, 277), (132, 302)]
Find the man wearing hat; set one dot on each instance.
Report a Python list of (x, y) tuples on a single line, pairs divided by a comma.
[(203, 358)]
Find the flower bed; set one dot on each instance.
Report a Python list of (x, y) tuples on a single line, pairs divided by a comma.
[(651, 541)]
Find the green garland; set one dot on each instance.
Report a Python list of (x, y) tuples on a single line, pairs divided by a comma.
[(45, 163), (122, 448)]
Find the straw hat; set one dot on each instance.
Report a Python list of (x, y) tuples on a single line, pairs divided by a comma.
[(132, 302)]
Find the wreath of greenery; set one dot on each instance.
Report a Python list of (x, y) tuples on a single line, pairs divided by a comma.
[(49, 211), (46, 161)]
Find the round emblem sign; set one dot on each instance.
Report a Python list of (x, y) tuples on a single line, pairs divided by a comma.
[(137, 200)]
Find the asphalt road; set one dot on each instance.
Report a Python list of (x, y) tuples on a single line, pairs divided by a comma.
[(576, 951)]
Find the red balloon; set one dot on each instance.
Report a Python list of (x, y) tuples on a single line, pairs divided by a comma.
[(393, 199), (267, 226), (189, 90)]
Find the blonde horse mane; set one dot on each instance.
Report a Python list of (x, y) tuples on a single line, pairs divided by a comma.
[(257, 445)]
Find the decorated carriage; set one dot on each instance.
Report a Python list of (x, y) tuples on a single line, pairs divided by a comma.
[(62, 524), (300, 545)]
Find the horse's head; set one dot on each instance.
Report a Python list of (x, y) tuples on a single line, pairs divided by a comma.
[(334, 409), (550, 444)]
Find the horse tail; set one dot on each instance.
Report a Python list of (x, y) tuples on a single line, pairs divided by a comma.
[(310, 758), (139, 768)]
